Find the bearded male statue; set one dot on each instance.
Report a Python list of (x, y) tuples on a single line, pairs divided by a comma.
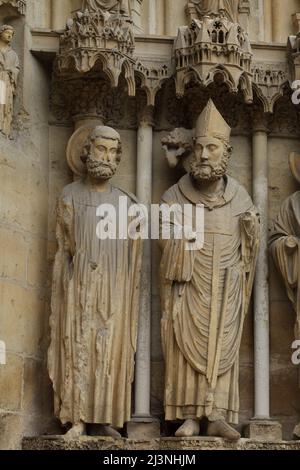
[(205, 292), (285, 249), (95, 297)]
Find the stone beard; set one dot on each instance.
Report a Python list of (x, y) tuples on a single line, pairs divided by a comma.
[(93, 326), (211, 172), (205, 293)]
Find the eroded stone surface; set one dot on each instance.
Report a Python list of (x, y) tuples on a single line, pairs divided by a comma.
[(86, 443)]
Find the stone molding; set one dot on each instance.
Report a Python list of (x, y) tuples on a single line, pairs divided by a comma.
[(95, 47), (269, 81), (20, 5)]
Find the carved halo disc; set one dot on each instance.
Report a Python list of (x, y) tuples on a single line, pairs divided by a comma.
[(295, 165), (75, 149)]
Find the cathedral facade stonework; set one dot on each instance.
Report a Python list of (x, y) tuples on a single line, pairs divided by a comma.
[(181, 102)]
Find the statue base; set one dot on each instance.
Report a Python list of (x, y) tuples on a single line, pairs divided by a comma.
[(143, 427), (161, 444), (297, 431), (264, 430)]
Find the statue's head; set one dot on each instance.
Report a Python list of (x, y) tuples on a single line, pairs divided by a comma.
[(211, 146), (7, 33), (102, 152)]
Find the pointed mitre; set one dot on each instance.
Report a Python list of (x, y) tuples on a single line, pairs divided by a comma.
[(210, 123)]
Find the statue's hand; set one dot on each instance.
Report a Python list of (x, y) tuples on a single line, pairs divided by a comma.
[(291, 244), (190, 235)]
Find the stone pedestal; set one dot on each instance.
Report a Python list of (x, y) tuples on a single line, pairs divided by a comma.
[(297, 432), (143, 429), (163, 444), (264, 430)]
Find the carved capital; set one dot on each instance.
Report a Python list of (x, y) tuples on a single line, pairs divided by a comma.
[(152, 74), (269, 81), (260, 119), (146, 116)]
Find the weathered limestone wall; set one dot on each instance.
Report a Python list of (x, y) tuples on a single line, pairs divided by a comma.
[(33, 171), (25, 406), (24, 172)]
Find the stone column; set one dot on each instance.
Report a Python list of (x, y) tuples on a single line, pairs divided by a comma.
[(143, 425), (136, 13), (244, 15), (172, 16), (58, 14), (261, 288), (267, 15), (281, 21), (152, 16), (261, 427)]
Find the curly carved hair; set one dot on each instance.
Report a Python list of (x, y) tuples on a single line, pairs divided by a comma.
[(6, 27), (106, 133)]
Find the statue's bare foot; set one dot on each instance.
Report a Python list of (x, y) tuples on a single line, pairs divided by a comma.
[(109, 431), (297, 431), (190, 428), (222, 429), (76, 431)]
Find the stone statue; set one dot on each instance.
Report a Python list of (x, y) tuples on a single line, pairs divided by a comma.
[(205, 292), (9, 71), (111, 6), (285, 248), (94, 296), (228, 8)]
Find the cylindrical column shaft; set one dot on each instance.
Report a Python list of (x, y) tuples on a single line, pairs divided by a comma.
[(261, 288), (59, 14), (267, 15), (144, 195), (281, 21), (152, 16)]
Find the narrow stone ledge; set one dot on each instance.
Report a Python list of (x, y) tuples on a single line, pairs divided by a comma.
[(196, 444)]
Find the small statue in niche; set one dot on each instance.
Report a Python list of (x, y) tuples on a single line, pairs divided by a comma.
[(205, 293), (9, 71), (121, 7), (95, 294), (227, 8), (285, 248)]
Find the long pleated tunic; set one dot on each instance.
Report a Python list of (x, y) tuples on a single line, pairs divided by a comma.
[(205, 297), (94, 312)]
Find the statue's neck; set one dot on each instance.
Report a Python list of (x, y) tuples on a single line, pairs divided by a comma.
[(211, 188), (100, 186), (4, 46)]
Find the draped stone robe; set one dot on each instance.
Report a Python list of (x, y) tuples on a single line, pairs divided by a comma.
[(288, 263), (205, 297), (94, 313), (9, 71), (214, 7), (108, 5)]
